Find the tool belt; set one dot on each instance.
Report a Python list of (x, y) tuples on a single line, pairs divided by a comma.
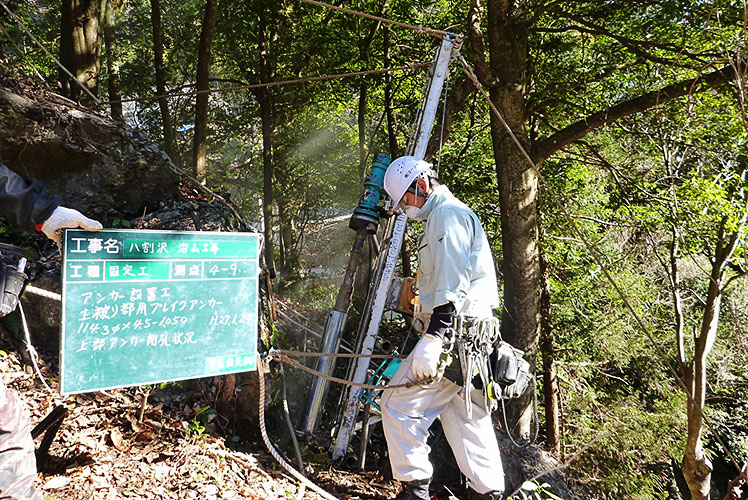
[(502, 370)]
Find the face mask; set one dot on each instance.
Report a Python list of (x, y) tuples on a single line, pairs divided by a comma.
[(412, 212)]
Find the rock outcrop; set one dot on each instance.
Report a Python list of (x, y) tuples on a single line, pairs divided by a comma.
[(101, 167)]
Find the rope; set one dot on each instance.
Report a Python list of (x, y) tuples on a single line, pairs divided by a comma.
[(262, 369), (44, 293), (470, 74), (300, 354), (277, 84), (417, 29), (63, 68), (283, 359)]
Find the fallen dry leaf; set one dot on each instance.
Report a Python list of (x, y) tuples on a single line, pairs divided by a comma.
[(56, 482), (116, 436)]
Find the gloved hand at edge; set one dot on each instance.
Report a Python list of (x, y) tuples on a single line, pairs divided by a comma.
[(67, 218), (428, 350), (426, 356)]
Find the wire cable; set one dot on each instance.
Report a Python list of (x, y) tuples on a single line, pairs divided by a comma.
[(32, 351), (262, 369), (277, 84), (418, 29), (444, 116)]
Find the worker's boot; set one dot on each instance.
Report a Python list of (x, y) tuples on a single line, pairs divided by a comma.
[(491, 495), (414, 490)]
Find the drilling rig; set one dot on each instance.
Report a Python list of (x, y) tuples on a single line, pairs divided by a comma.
[(366, 221)]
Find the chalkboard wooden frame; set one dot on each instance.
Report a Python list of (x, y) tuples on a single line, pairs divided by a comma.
[(145, 307)]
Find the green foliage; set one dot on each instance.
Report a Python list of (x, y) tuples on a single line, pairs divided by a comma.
[(532, 490), (630, 190), (196, 427), (675, 173)]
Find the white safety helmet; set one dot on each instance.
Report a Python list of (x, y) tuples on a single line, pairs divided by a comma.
[(402, 172)]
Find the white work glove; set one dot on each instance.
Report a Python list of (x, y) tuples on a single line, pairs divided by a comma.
[(426, 354), (67, 218)]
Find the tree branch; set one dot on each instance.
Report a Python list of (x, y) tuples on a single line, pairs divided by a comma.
[(631, 43), (546, 147), (733, 278)]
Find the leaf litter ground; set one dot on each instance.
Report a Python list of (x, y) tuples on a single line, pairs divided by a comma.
[(104, 451)]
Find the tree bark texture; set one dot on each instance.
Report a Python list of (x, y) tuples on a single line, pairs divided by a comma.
[(112, 61), (518, 188), (158, 64), (546, 147), (507, 36), (550, 381), (265, 100), (80, 45), (199, 151)]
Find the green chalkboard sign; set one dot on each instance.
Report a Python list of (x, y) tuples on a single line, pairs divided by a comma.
[(142, 307)]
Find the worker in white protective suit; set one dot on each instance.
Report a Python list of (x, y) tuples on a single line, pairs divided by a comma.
[(456, 277)]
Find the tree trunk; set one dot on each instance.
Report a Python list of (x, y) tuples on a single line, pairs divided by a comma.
[(288, 259), (550, 382), (518, 185), (80, 45), (112, 62), (364, 48), (158, 65), (199, 151), (265, 99), (697, 468), (390, 113), (362, 96)]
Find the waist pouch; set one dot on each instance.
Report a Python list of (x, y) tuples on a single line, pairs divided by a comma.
[(509, 373)]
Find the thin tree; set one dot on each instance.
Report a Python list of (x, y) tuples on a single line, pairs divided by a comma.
[(158, 65), (199, 150), (267, 119)]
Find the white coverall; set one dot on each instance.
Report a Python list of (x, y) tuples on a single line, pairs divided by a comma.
[(455, 266)]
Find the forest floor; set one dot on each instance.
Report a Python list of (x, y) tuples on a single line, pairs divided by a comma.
[(112, 447)]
